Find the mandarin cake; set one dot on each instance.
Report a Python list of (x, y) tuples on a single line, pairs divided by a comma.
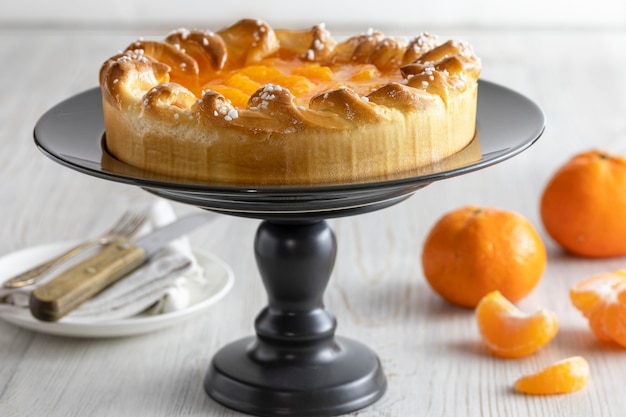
[(249, 104)]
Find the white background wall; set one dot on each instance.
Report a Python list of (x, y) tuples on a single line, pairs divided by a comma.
[(383, 14)]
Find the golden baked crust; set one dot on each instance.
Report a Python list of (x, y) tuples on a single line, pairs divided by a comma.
[(253, 105)]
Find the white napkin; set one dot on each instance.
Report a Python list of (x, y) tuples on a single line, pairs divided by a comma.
[(155, 288)]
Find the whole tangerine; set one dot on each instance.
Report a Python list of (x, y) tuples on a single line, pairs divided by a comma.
[(583, 206), (473, 251)]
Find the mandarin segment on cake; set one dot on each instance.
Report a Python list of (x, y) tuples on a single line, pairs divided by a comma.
[(252, 105)]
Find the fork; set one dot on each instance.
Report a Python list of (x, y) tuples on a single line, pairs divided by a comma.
[(126, 226)]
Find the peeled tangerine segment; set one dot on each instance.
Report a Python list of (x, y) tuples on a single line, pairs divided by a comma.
[(602, 300), (508, 332), (567, 375)]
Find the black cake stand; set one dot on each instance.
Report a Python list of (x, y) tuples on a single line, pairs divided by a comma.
[(294, 365)]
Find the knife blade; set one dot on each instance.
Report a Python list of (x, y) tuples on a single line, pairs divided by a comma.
[(65, 292)]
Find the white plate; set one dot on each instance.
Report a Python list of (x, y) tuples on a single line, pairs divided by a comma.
[(219, 275)]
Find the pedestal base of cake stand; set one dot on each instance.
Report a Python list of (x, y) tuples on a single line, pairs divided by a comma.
[(295, 366), (339, 377)]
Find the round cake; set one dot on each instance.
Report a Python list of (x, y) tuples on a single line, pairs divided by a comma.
[(250, 105)]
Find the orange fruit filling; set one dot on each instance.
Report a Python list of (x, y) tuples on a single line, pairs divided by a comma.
[(602, 300), (314, 72), (472, 251), (508, 332), (304, 80), (567, 375), (582, 205)]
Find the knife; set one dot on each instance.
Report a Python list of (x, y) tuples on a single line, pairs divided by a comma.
[(71, 288)]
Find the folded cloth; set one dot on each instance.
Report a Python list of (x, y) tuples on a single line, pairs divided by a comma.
[(155, 288)]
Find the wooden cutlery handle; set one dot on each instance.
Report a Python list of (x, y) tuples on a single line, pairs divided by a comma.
[(33, 275), (73, 287)]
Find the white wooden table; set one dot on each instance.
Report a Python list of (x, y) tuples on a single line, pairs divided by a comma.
[(431, 351)]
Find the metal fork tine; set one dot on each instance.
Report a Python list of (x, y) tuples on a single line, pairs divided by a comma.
[(134, 224), (127, 226), (119, 224)]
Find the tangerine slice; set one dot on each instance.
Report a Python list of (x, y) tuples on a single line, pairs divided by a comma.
[(314, 72), (297, 84), (366, 73), (260, 73), (508, 332), (567, 375), (237, 97), (601, 298), (243, 83)]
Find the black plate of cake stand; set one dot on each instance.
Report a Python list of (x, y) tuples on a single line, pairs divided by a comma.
[(294, 365)]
